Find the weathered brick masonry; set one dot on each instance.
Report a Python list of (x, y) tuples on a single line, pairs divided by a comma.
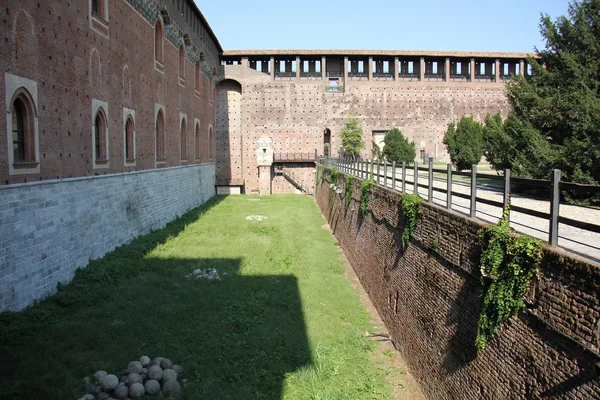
[(50, 228), (429, 298)]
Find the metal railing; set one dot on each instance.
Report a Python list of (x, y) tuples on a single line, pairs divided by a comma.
[(442, 181), (295, 157)]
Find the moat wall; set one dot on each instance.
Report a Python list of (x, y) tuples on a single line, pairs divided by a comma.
[(48, 229), (429, 298)]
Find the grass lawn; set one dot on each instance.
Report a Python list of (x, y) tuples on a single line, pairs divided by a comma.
[(283, 324)]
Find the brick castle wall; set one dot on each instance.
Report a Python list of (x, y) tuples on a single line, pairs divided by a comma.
[(295, 113), (429, 298), (50, 228), (53, 44)]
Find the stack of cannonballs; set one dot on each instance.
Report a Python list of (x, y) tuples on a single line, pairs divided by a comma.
[(158, 377), (209, 274)]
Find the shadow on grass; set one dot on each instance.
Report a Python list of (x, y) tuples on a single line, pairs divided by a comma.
[(236, 338)]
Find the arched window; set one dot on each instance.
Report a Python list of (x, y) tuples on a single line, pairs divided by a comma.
[(158, 41), (129, 140), (197, 142), (23, 127), (183, 140), (210, 144), (100, 136), (181, 64), (160, 136)]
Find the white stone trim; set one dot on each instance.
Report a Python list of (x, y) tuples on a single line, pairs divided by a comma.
[(96, 104), (12, 83), (127, 112)]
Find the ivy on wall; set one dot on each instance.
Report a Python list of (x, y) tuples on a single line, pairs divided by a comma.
[(411, 209), (508, 265), (349, 187), (365, 195)]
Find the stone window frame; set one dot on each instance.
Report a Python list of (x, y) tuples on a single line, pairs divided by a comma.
[(99, 22), (211, 149), (24, 89), (100, 108), (197, 75), (197, 133), (182, 64), (159, 48), (129, 115), (183, 146), (160, 137)]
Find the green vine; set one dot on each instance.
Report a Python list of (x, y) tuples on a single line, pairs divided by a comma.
[(508, 265), (334, 175), (320, 169), (411, 208), (349, 187), (365, 195)]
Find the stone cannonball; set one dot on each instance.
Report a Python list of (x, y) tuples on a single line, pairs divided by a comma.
[(152, 387), (169, 375), (136, 391), (155, 372), (134, 367), (171, 388), (121, 392), (166, 363), (134, 378), (103, 396), (109, 383), (157, 361), (145, 361), (99, 375), (177, 368)]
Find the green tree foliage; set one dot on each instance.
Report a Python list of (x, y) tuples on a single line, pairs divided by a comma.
[(464, 142), (398, 148), (516, 145), (352, 138), (560, 104)]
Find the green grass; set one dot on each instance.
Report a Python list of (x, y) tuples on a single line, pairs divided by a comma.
[(283, 324)]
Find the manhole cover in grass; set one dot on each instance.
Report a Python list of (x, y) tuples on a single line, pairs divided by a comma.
[(255, 217)]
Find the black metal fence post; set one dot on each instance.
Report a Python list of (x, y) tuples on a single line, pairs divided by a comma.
[(430, 183), (473, 210), (506, 200), (554, 206), (385, 184), (394, 175), (416, 178), (403, 176), (449, 186)]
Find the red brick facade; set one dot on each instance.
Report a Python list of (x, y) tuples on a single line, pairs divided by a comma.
[(76, 59), (429, 298)]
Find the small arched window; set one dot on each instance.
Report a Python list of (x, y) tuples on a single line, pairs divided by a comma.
[(129, 141), (160, 136), (158, 41), (183, 140), (181, 63), (197, 76), (197, 142), (100, 136), (23, 128)]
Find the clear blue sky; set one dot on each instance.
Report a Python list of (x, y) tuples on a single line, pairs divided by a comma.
[(469, 25)]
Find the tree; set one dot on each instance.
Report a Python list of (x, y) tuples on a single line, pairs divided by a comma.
[(559, 104), (397, 147), (464, 142), (352, 138)]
